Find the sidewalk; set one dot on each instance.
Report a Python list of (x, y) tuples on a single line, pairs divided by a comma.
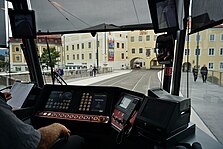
[(99, 77), (207, 103)]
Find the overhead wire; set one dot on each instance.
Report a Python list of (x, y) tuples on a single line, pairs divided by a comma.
[(57, 6), (61, 13), (136, 11)]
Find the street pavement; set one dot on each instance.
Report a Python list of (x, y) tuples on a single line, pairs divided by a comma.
[(207, 103)]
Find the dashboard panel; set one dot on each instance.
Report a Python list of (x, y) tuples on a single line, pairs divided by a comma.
[(81, 108)]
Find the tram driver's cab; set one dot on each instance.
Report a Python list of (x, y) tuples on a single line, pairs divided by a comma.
[(107, 117)]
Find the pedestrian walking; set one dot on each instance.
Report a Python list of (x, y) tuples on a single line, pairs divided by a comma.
[(204, 73), (94, 71), (195, 73), (91, 70)]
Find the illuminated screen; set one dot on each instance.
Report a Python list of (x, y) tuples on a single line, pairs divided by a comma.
[(59, 100), (125, 102), (99, 103)]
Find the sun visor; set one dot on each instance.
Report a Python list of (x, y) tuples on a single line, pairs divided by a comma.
[(206, 14), (61, 16)]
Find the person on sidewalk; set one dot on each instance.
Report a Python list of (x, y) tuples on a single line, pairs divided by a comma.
[(91, 70), (94, 71), (195, 73), (204, 73)]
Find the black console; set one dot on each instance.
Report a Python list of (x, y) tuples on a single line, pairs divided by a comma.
[(159, 119), (93, 111), (80, 108), (84, 108)]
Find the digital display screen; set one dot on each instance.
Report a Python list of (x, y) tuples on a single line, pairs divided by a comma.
[(60, 95), (59, 100), (125, 102), (98, 103)]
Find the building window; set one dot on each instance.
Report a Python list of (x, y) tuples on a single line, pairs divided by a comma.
[(39, 40), (133, 51), (73, 56), (72, 47), (90, 56), (123, 45), (98, 43), (148, 52), (132, 38), (78, 46), (221, 66), (198, 37), (140, 38), (122, 55), (67, 57), (55, 41), (17, 58), (17, 49), (140, 50), (82, 45), (67, 48), (212, 37), (147, 37), (211, 66), (211, 51), (187, 38), (77, 56), (89, 45), (155, 36), (18, 69), (82, 56), (117, 45), (221, 52), (197, 51), (187, 52)]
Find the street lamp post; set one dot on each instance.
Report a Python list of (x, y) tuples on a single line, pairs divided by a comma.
[(197, 53), (97, 51)]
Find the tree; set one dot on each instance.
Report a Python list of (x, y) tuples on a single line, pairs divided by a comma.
[(44, 59)]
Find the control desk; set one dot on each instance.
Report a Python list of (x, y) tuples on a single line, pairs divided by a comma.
[(81, 108), (113, 117)]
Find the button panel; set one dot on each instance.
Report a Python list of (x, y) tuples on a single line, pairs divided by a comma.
[(85, 102), (75, 117)]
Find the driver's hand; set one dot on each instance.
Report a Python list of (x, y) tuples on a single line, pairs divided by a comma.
[(7, 95)]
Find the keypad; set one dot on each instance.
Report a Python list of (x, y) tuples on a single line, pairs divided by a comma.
[(85, 102)]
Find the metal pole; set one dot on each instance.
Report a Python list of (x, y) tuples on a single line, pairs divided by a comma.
[(197, 55), (97, 51)]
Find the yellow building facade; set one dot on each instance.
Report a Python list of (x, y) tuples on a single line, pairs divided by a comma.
[(121, 50), (16, 57), (102, 50), (210, 49)]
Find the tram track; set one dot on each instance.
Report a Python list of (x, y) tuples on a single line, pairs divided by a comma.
[(137, 80)]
